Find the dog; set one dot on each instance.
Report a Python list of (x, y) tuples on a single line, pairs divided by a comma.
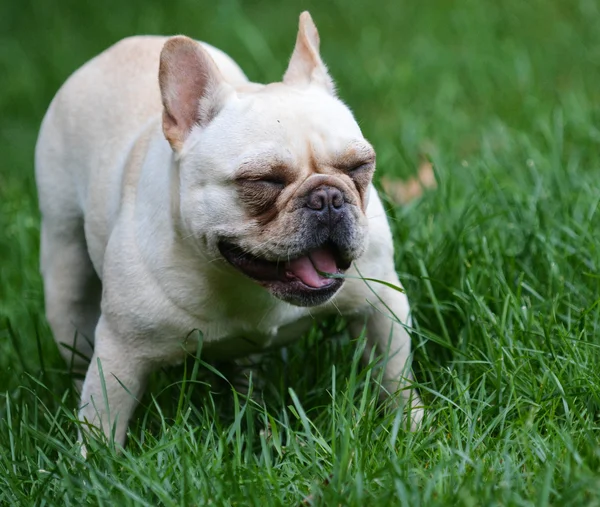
[(176, 195)]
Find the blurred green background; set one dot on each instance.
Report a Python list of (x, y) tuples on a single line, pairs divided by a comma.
[(501, 262)]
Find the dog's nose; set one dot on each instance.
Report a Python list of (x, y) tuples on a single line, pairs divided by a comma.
[(327, 202)]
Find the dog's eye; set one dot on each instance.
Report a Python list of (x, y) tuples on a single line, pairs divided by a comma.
[(264, 185), (274, 181), (268, 177), (260, 193), (360, 167), (266, 182)]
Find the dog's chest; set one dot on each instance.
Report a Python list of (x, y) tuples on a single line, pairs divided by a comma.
[(227, 340)]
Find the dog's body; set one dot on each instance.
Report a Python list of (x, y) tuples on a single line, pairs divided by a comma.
[(153, 200)]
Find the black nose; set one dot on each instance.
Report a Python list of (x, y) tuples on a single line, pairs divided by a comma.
[(327, 203)]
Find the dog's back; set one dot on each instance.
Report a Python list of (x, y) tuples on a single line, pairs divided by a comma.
[(95, 113)]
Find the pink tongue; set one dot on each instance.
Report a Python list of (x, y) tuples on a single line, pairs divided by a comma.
[(306, 268)]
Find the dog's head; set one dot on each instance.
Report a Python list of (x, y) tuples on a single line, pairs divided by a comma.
[(274, 179)]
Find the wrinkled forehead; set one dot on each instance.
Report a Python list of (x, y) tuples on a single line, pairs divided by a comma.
[(311, 106), (299, 121)]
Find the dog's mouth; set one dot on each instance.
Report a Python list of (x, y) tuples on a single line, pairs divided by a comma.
[(304, 280)]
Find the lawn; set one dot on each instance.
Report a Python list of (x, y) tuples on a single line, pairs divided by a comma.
[(501, 264)]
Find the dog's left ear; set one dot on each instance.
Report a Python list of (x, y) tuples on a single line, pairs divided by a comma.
[(306, 66)]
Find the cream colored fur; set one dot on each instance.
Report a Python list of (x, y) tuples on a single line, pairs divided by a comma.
[(130, 220)]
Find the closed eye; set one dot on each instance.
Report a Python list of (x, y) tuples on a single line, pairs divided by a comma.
[(274, 176), (276, 181), (267, 182), (360, 166)]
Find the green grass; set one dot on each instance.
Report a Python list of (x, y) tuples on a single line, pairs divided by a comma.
[(501, 264)]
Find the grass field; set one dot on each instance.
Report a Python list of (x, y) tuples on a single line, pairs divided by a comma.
[(501, 264)]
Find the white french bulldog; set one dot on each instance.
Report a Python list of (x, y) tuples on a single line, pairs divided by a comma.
[(178, 196)]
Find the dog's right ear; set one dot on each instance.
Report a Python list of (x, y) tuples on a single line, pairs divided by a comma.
[(192, 88), (306, 65)]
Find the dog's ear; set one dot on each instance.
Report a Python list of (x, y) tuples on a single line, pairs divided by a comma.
[(192, 88), (306, 66)]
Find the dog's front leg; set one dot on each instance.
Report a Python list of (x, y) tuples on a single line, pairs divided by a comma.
[(113, 384), (388, 338)]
